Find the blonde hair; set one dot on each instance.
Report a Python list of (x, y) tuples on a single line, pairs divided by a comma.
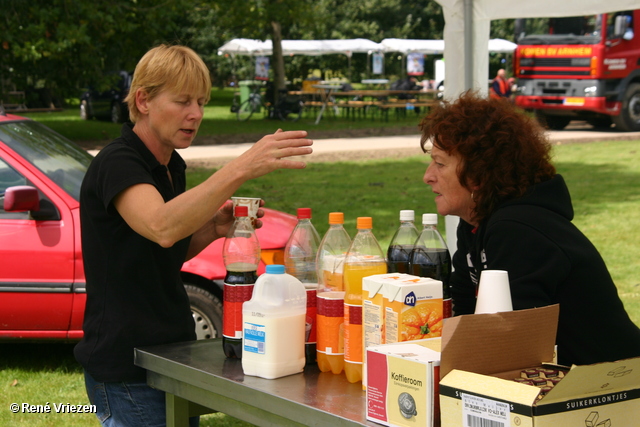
[(175, 68)]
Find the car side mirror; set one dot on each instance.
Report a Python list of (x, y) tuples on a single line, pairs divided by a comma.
[(21, 198)]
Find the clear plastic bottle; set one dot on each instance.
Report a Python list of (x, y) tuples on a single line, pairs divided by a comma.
[(431, 258), (300, 255), (330, 263), (402, 243), (241, 256), (331, 254), (365, 258), (274, 325)]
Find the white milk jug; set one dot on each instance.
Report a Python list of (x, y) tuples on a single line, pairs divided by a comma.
[(274, 325)]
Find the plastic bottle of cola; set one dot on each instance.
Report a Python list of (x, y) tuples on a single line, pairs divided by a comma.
[(402, 243), (431, 258), (241, 255)]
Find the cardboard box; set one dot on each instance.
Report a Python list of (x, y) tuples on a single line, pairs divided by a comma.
[(402, 380), (481, 354)]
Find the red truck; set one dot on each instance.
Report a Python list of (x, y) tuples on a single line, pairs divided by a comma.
[(583, 67)]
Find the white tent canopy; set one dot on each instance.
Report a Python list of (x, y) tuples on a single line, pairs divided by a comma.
[(501, 46), (244, 47), (428, 47), (348, 46), (300, 47), (436, 47)]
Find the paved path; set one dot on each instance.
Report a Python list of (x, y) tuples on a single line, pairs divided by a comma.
[(401, 142)]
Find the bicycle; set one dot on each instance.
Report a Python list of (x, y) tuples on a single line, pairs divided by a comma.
[(288, 108), (253, 104)]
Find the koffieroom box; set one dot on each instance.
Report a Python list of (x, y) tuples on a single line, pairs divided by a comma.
[(402, 381), (482, 354)]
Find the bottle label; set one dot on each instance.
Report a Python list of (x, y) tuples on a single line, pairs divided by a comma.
[(254, 338), (311, 323), (234, 297), (330, 326), (353, 333)]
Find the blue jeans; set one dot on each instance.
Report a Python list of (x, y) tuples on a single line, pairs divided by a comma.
[(128, 404)]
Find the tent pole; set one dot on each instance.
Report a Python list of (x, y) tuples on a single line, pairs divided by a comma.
[(468, 44)]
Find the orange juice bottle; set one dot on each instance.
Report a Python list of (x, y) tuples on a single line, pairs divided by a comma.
[(330, 312), (365, 258)]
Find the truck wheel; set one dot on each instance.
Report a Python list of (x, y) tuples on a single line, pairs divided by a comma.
[(629, 118), (207, 312), (553, 122)]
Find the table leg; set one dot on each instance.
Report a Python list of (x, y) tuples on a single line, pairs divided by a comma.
[(177, 411), (325, 101)]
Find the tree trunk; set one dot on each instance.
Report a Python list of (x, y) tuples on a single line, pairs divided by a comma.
[(278, 59)]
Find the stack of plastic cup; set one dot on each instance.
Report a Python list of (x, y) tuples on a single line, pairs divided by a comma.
[(494, 295)]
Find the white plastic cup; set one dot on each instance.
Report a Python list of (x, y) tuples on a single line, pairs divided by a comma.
[(494, 295), (252, 204)]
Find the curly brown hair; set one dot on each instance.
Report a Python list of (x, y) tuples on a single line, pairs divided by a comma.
[(503, 152)]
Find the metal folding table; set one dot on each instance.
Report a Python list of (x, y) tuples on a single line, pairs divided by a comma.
[(199, 379)]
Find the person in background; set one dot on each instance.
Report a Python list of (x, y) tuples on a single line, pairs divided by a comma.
[(513, 86), (491, 166), (500, 88), (139, 226), (407, 83)]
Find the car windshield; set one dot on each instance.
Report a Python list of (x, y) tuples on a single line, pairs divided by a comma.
[(58, 158), (566, 30)]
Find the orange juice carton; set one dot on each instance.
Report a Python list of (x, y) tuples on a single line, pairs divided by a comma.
[(402, 383), (412, 309), (374, 289)]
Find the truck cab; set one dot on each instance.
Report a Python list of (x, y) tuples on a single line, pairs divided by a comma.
[(583, 67)]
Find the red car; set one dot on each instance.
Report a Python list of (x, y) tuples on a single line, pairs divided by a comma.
[(42, 283)]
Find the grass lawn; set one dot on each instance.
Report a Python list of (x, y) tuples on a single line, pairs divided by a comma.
[(603, 177), (219, 123)]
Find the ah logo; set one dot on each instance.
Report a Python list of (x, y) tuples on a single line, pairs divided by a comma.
[(410, 299)]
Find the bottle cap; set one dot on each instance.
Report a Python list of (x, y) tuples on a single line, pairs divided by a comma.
[(364, 222), (241, 211), (407, 215), (336, 218), (274, 269), (304, 213), (429, 219)]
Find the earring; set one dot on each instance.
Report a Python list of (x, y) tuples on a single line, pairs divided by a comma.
[(472, 195)]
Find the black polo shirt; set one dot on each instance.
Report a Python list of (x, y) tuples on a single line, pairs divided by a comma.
[(135, 296)]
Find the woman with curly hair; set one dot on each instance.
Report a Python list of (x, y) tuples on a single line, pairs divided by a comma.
[(491, 166)]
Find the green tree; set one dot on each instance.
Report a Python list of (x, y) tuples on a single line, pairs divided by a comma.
[(212, 23), (53, 48)]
